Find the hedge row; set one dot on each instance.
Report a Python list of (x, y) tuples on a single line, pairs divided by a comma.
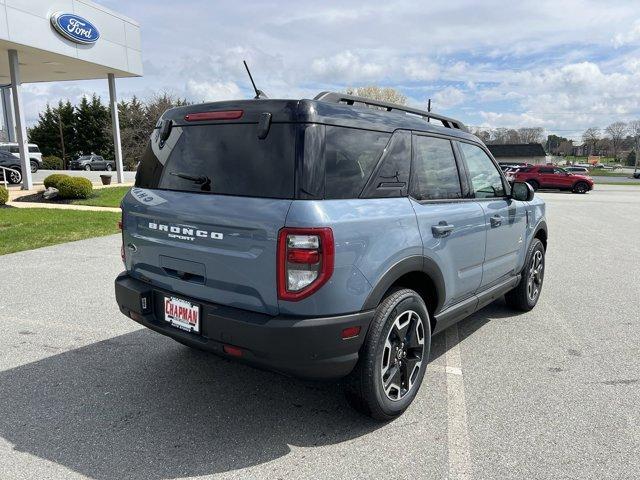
[(4, 196)]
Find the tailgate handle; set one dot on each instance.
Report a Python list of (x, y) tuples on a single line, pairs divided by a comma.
[(186, 276)]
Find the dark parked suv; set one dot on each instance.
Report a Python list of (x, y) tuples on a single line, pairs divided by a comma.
[(324, 238)]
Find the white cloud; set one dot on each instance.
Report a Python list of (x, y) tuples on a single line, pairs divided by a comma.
[(448, 97), (631, 36), (348, 67), (212, 91)]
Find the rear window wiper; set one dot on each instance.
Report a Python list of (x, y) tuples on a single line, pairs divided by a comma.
[(202, 180)]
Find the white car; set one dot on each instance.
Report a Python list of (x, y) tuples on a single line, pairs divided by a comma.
[(35, 156)]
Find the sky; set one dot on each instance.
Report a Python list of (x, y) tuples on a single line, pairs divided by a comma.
[(561, 65)]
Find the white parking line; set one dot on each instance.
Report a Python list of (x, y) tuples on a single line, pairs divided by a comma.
[(457, 432)]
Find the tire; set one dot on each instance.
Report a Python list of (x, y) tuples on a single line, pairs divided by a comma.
[(534, 184), (580, 187), (88, 168), (34, 166), (400, 319), (526, 294), (109, 167), (13, 177)]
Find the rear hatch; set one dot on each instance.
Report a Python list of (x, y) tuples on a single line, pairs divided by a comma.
[(212, 191)]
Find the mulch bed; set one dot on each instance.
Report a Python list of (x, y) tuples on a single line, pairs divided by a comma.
[(39, 198)]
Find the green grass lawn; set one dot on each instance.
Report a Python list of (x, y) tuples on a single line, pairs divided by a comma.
[(28, 228), (105, 197), (599, 172)]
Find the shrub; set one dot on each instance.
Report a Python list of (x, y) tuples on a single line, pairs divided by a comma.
[(4, 196), (75, 187), (54, 180), (52, 163)]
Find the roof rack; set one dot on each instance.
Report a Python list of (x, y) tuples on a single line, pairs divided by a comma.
[(335, 97)]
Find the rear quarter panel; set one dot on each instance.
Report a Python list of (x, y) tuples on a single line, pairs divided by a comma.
[(371, 235)]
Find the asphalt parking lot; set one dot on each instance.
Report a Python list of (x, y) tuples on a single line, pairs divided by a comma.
[(550, 394)]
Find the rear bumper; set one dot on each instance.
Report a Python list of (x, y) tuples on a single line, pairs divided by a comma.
[(302, 347)]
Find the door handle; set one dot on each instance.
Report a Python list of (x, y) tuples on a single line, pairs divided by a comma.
[(443, 229), (496, 221)]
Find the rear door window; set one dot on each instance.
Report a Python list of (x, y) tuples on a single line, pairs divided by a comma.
[(350, 157), (435, 174), (226, 159)]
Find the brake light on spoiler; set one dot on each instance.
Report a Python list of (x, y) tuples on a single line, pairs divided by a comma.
[(305, 261), (215, 115)]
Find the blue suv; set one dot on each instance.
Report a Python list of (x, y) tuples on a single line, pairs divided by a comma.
[(324, 238)]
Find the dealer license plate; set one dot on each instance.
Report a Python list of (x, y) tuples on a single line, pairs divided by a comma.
[(182, 314)]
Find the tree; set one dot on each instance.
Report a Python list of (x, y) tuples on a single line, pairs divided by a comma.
[(383, 94), (591, 137), (554, 143), (134, 131), (54, 130), (616, 132), (530, 135), (92, 122), (634, 131)]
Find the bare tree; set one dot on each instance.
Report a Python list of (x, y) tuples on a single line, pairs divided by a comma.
[(591, 137), (383, 94), (530, 135), (634, 131), (483, 134), (617, 132)]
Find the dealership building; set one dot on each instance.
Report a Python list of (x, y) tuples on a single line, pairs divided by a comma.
[(57, 41)]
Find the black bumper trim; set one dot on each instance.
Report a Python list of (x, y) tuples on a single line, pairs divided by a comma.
[(299, 346)]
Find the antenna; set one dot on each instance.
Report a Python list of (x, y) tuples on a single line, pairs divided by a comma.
[(429, 110), (259, 93)]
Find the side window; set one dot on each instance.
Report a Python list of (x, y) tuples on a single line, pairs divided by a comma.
[(392, 177), (485, 178), (34, 150), (435, 173), (350, 156), (545, 170), (14, 149)]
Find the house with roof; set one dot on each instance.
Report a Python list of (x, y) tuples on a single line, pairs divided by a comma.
[(519, 153)]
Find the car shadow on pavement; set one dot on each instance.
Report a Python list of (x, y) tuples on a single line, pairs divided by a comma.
[(142, 406)]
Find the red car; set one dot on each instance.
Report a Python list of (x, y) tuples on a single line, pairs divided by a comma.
[(546, 176)]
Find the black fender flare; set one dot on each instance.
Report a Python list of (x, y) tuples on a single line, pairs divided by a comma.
[(414, 263), (541, 226)]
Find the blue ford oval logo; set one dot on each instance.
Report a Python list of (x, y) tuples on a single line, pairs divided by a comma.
[(75, 28)]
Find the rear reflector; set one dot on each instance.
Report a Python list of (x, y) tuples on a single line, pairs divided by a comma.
[(219, 115), (350, 332), (231, 350)]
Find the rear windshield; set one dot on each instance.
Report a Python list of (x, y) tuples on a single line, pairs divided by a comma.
[(227, 159)]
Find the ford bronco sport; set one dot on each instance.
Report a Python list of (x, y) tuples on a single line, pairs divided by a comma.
[(324, 238)]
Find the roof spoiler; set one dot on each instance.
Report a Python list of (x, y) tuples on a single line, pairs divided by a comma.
[(335, 97)]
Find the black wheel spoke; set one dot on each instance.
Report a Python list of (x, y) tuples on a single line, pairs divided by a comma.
[(394, 377)]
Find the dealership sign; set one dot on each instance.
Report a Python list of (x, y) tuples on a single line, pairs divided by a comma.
[(75, 28)]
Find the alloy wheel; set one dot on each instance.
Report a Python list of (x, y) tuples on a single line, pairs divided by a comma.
[(403, 355), (534, 281), (15, 177)]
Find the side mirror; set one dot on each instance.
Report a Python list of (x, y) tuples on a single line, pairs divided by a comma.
[(522, 191)]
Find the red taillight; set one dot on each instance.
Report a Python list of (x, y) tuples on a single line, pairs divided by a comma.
[(305, 261), (218, 115)]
